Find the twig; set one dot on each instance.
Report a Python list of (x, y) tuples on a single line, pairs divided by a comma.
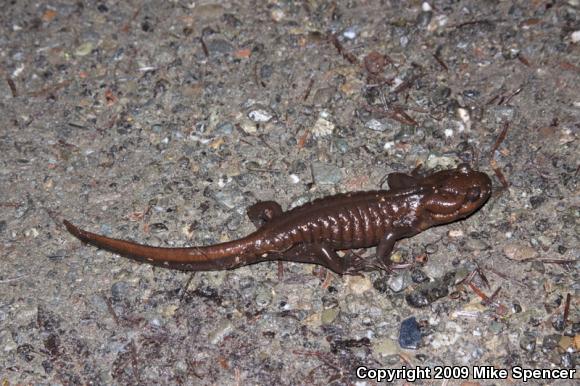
[(12, 86)]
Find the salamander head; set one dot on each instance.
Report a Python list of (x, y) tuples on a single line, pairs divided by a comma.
[(455, 194)]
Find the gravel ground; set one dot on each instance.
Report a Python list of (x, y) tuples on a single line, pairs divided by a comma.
[(161, 121)]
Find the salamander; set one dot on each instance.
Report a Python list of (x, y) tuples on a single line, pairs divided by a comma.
[(315, 232)]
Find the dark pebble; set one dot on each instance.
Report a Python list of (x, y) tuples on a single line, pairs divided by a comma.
[(57, 255), (472, 94), (516, 308), (119, 290), (219, 46), (421, 358), (536, 201), (528, 343), (417, 299), (558, 323), (418, 276), (538, 266), (381, 285), (550, 342), (2, 226), (431, 249), (423, 19), (158, 227), (26, 351), (568, 361), (542, 225), (266, 71), (410, 334)]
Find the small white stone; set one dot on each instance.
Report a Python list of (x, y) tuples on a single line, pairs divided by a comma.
[(322, 127), (293, 178), (18, 70), (426, 7), (259, 115), (464, 116), (350, 33), (575, 36), (277, 15), (456, 233), (449, 133)]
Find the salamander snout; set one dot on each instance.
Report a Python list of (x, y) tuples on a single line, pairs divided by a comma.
[(476, 189)]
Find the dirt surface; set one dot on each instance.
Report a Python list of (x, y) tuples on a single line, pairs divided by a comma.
[(161, 121)]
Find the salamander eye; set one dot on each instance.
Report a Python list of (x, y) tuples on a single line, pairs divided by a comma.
[(473, 194)]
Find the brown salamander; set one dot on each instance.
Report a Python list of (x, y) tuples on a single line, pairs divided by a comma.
[(314, 232)]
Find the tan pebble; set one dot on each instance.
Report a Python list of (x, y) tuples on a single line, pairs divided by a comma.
[(520, 252)]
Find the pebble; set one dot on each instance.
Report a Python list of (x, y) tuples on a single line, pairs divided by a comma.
[(417, 299), (263, 297), (119, 290), (418, 276), (228, 197), (224, 128), (565, 342), (208, 11), (410, 334), (260, 115), (397, 283), (221, 330), (448, 337), (376, 125), (567, 361), (355, 304), (7, 343), (358, 284), (423, 19), (495, 327), (476, 244), (328, 316), (350, 33), (528, 343), (323, 96), (325, 174), (277, 15), (322, 127), (503, 113), (342, 145), (384, 347), (429, 292), (519, 252), (234, 223), (219, 46), (84, 49), (434, 160)]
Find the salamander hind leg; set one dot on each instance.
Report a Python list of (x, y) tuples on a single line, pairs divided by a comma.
[(349, 264), (263, 211), (319, 254)]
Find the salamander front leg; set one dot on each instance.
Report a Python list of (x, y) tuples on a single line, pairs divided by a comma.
[(264, 211), (385, 247)]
